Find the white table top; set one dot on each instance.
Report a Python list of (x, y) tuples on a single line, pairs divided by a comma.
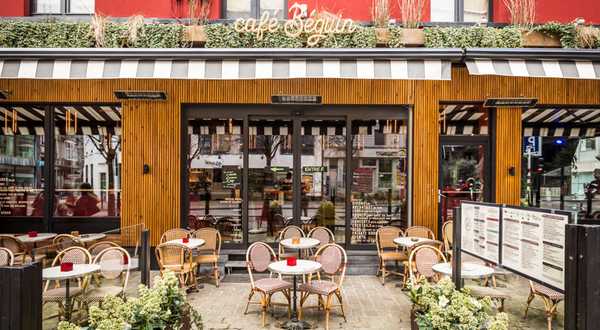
[(40, 237), (117, 264), (302, 267), (79, 270), (192, 244), (305, 243), (302, 218), (86, 238), (468, 270), (409, 242)]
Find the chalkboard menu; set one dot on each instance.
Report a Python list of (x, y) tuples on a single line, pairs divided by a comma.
[(231, 178), (362, 180), (480, 229)]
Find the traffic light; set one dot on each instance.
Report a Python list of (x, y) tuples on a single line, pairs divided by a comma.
[(539, 165)]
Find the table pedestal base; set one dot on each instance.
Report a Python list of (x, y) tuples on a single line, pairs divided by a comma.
[(296, 325)]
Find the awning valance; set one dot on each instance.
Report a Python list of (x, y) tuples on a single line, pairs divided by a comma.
[(535, 68), (229, 69), (561, 122)]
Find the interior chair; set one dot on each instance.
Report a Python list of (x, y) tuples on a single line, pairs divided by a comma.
[(333, 260), (258, 258), (209, 253), (388, 251)]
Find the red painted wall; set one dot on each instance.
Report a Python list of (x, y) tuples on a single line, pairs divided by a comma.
[(556, 10), (14, 8), (359, 10), (151, 8)]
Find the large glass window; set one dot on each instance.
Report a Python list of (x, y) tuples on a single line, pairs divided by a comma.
[(475, 11), (63, 6), (254, 8), (22, 162), (215, 162), (87, 137), (379, 177)]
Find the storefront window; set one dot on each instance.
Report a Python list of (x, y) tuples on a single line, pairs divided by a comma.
[(87, 137), (254, 8), (475, 11), (379, 178), (463, 119), (63, 6), (215, 162), (22, 162)]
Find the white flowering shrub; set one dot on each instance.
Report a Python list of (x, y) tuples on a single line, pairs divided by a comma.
[(164, 306), (440, 306)]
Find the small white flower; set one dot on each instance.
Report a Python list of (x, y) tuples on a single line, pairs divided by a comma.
[(443, 301)]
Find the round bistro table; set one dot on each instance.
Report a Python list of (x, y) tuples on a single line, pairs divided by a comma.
[(79, 270), (25, 239), (468, 270), (408, 242), (303, 267), (305, 243)]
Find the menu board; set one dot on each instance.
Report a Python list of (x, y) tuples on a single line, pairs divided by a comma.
[(231, 178), (480, 230), (534, 244)]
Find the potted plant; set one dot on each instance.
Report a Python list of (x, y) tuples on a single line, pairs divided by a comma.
[(164, 306), (522, 15), (326, 214), (441, 306), (380, 13), (412, 14), (199, 11)]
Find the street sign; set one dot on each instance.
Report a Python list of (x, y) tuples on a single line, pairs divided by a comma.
[(532, 145), (314, 169)]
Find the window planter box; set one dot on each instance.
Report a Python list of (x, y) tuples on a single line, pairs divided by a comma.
[(194, 34), (413, 37), (383, 36), (538, 39)]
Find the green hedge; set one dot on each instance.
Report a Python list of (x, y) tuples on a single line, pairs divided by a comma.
[(472, 37), (21, 34)]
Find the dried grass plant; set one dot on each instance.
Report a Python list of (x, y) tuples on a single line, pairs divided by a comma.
[(134, 25), (587, 36), (522, 12), (199, 11), (380, 13), (98, 25), (412, 13)]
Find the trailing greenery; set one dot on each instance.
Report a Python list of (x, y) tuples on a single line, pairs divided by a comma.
[(472, 37), (224, 36), (566, 32), (363, 37), (395, 39), (22, 34)]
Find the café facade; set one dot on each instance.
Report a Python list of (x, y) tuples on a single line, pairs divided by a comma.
[(352, 139)]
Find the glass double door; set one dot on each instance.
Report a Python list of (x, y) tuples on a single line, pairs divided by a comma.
[(296, 175)]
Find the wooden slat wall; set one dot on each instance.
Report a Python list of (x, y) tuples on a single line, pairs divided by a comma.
[(508, 149), (151, 129)]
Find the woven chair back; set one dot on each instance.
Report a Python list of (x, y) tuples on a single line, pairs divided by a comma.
[(259, 256), (323, 234), (6, 257), (171, 255), (211, 237), (65, 241), (291, 231), (332, 258), (98, 247), (113, 261), (11, 243), (175, 233), (420, 231), (385, 237), (424, 257)]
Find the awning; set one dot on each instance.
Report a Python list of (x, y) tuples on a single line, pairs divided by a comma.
[(541, 63), (231, 64), (561, 122), (463, 119)]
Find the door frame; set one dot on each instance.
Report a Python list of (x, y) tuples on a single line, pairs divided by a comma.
[(296, 113)]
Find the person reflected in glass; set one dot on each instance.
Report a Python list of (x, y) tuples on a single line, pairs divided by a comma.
[(87, 204), (204, 184)]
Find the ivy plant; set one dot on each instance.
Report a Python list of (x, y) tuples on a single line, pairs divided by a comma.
[(566, 32), (472, 37)]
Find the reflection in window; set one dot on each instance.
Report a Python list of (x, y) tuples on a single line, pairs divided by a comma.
[(63, 6), (22, 162), (215, 161), (254, 8), (87, 137), (475, 11), (379, 178), (463, 119)]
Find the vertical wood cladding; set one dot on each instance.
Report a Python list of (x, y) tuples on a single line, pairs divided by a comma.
[(152, 128)]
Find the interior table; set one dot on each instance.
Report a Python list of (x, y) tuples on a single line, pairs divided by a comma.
[(468, 270), (303, 267), (303, 244), (79, 270)]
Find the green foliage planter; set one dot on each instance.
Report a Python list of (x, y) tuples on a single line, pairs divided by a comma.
[(326, 214), (472, 37)]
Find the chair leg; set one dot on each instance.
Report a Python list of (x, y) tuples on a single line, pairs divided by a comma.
[(263, 305), (383, 273), (327, 309), (339, 297), (216, 272), (248, 303), (529, 300)]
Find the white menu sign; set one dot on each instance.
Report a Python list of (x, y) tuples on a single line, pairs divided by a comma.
[(533, 243), (480, 227)]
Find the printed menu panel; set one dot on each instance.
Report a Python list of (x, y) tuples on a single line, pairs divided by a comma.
[(480, 230), (534, 244)]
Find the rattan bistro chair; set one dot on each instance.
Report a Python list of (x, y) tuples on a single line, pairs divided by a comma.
[(290, 231), (388, 251), (423, 258), (175, 233), (178, 259), (65, 241), (448, 237), (209, 253), (323, 234), (55, 293), (114, 270), (333, 261), (6, 257), (258, 258), (15, 246), (98, 247), (420, 231), (550, 297)]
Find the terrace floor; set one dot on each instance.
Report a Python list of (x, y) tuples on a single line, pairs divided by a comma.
[(368, 304)]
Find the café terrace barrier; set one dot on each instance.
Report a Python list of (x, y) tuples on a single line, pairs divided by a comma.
[(581, 249), (20, 297)]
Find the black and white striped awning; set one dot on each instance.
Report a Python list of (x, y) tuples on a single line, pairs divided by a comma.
[(561, 122), (579, 69), (227, 69), (463, 119), (83, 119)]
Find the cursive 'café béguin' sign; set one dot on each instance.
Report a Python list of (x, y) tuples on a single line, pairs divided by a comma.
[(315, 27)]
